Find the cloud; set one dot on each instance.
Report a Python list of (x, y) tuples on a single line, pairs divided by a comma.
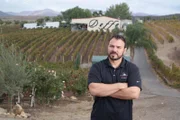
[(146, 6)]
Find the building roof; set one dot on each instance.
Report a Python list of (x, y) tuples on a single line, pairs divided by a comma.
[(85, 20)]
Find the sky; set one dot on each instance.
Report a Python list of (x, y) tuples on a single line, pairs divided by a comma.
[(153, 7)]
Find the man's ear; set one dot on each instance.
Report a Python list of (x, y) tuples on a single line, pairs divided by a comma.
[(125, 49)]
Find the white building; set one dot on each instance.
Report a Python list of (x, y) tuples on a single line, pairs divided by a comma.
[(30, 25), (51, 25), (95, 23)]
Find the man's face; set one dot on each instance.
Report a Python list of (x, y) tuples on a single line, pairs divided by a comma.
[(116, 49)]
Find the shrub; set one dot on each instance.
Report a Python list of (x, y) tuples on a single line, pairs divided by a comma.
[(170, 39), (48, 85)]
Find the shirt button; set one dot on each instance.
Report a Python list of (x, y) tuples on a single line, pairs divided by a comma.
[(114, 75)]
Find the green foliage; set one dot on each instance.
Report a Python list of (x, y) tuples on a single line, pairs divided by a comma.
[(40, 21), (137, 35), (75, 80), (46, 18), (100, 13), (1, 21), (170, 39), (116, 30), (16, 21), (22, 23), (95, 14), (57, 18), (7, 22), (172, 74), (48, 85), (13, 75), (58, 66), (77, 62), (80, 85), (119, 11), (76, 12)]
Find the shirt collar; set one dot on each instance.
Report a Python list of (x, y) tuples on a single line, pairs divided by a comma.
[(108, 64)]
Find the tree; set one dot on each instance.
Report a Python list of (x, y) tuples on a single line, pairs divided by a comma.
[(76, 12), (137, 36), (8, 22), (40, 21), (22, 23), (1, 22), (16, 22), (119, 11), (101, 13), (95, 14), (46, 19), (57, 18), (116, 30), (13, 75)]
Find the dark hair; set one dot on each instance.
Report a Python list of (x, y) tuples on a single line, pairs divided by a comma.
[(119, 37)]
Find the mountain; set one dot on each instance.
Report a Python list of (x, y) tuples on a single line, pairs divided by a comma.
[(140, 14), (45, 12), (3, 14), (25, 13), (11, 13)]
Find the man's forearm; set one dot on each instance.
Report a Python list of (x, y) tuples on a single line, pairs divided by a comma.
[(127, 93), (102, 90)]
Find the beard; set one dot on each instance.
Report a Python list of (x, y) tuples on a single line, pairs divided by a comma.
[(113, 58)]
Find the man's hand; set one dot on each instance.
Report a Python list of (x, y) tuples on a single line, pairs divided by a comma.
[(127, 93)]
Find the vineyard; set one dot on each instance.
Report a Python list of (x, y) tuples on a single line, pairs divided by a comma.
[(58, 45), (166, 34)]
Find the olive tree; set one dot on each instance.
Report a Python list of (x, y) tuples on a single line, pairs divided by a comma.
[(13, 74)]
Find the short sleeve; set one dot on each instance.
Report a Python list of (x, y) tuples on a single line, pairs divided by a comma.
[(94, 74), (134, 78)]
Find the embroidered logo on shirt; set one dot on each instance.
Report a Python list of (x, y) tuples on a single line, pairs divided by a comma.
[(123, 76)]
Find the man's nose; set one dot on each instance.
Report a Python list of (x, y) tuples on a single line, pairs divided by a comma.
[(114, 49)]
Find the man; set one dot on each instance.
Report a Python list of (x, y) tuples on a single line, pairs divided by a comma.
[(114, 83)]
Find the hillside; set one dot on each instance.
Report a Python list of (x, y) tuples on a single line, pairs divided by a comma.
[(166, 34), (3, 14), (59, 45), (27, 15)]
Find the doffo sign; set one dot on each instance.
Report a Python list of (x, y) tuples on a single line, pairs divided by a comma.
[(109, 24)]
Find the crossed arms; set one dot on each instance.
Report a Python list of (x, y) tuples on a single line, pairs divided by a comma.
[(116, 90)]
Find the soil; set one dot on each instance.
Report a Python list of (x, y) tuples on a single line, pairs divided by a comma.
[(148, 107), (169, 52)]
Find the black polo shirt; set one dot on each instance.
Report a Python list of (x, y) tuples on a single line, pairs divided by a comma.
[(108, 108)]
